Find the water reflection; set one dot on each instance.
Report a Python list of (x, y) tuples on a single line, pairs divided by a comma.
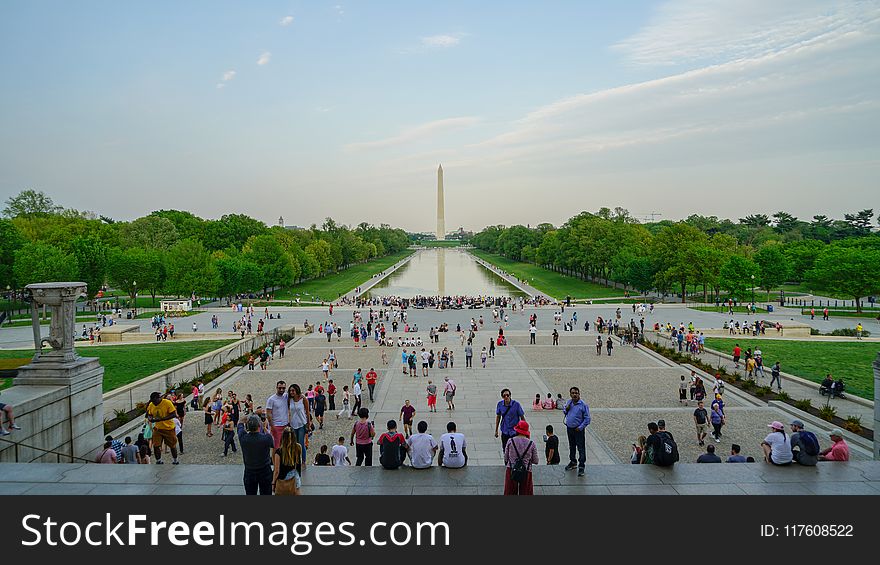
[(443, 272)]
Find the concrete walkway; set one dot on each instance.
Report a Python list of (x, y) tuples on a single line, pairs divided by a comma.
[(853, 478), (373, 281)]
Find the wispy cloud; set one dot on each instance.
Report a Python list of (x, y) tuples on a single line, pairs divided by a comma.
[(443, 40), (264, 58), (286, 21), (688, 31), (417, 133), (339, 9), (228, 75)]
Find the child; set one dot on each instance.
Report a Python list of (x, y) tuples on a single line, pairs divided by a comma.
[(339, 453), (322, 459), (536, 405), (551, 450)]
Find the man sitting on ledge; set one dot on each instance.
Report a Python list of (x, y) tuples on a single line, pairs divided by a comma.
[(839, 450)]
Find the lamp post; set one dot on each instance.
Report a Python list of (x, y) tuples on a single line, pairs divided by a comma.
[(135, 305), (753, 291)]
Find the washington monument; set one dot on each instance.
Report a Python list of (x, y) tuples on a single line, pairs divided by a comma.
[(441, 214)]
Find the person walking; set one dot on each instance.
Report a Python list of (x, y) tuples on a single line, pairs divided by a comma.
[(431, 389), (718, 419), (520, 454), (508, 413), (776, 376), (468, 355), (278, 412), (371, 381), (363, 433), (449, 392), (576, 418), (256, 447), (356, 393), (300, 416)]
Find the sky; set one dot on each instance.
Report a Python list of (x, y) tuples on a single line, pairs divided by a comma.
[(537, 111)]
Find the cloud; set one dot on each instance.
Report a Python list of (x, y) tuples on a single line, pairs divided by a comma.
[(444, 40), (340, 10), (286, 21), (692, 31), (220, 86), (228, 75), (264, 58), (417, 133)]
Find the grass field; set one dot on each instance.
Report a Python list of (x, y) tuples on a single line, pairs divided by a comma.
[(337, 284), (550, 283), (724, 309), (814, 359), (124, 364), (620, 301)]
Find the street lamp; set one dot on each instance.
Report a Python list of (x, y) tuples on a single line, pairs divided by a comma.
[(753, 291), (135, 285)]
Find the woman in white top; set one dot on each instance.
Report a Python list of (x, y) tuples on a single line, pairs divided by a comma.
[(300, 416), (346, 400)]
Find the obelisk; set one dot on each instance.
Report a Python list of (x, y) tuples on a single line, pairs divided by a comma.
[(441, 214)]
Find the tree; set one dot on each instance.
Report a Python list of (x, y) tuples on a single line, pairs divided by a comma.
[(860, 222), (276, 267), (39, 262), (851, 271), (774, 266), (149, 232), (785, 222), (136, 270), (10, 242), (30, 203), (676, 249), (191, 269), (91, 259), (755, 220), (736, 276)]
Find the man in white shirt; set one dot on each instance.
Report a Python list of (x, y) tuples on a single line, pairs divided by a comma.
[(278, 412), (422, 447), (339, 453), (452, 448), (425, 357)]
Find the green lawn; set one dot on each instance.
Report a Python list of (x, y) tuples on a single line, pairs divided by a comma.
[(621, 300), (333, 286), (549, 282), (124, 364), (724, 309), (813, 359)]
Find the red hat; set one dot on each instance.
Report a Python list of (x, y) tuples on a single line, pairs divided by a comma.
[(522, 428)]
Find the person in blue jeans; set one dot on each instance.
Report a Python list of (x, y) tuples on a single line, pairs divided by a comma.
[(256, 448), (577, 418)]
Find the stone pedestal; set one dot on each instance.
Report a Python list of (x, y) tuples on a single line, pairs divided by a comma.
[(57, 398)]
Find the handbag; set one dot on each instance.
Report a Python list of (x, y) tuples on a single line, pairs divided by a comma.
[(147, 431), (286, 487)]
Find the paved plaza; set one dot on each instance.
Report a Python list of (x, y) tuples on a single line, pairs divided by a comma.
[(625, 391)]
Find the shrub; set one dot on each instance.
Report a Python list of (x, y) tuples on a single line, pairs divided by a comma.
[(853, 424), (765, 390), (814, 331), (783, 396), (804, 404), (827, 412), (849, 332), (748, 385), (121, 415)]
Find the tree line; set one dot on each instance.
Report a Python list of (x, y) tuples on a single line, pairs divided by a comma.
[(837, 256), (175, 252)]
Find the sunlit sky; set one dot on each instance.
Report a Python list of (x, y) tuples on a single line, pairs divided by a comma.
[(536, 110)]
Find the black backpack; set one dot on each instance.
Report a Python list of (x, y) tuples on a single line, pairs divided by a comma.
[(520, 472), (390, 458), (667, 454)]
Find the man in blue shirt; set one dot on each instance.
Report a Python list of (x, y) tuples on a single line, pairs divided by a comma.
[(577, 418), (508, 413)]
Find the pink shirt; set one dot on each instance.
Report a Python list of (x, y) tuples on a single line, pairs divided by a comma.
[(839, 452), (106, 456)]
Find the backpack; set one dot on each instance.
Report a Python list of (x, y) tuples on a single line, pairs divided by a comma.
[(667, 455), (810, 443), (519, 472), (390, 458)]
